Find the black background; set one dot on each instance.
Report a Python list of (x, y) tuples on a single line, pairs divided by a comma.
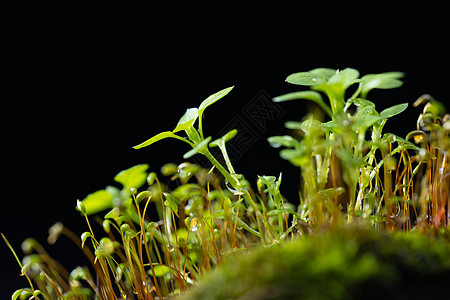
[(81, 85)]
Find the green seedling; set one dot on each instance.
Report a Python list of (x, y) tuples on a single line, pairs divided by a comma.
[(370, 178), (150, 240)]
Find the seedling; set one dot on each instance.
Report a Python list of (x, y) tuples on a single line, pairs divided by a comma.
[(372, 178), (158, 240)]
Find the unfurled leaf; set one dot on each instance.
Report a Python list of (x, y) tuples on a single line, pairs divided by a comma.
[(312, 127), (169, 169), (187, 120), (349, 160), (305, 95), (212, 99), (97, 201), (294, 125), (365, 117), (297, 157), (227, 137), (346, 78), (362, 103), (285, 140), (186, 191), (158, 137), (394, 110), (198, 149), (388, 80), (133, 177), (284, 210), (160, 270), (330, 193), (306, 79), (325, 73)]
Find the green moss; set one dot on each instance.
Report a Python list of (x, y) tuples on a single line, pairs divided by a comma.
[(343, 264)]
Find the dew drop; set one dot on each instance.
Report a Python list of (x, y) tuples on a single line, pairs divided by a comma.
[(170, 248), (194, 224)]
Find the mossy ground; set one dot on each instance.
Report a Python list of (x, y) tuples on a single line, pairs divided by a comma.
[(342, 264)]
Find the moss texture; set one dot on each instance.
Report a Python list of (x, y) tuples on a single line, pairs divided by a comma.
[(341, 264)]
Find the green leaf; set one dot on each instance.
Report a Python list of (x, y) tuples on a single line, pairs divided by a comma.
[(349, 160), (330, 193), (271, 182), (306, 79), (186, 191), (364, 122), (227, 137), (172, 202), (285, 140), (160, 136), (282, 210), (160, 270), (198, 149), (187, 120), (297, 157), (404, 144), (362, 103), (326, 73), (212, 99), (346, 77), (20, 292), (312, 127), (97, 201), (306, 95), (394, 110), (388, 80), (294, 125), (133, 177)]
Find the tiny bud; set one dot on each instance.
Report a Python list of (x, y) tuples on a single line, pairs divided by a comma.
[(80, 207), (151, 178)]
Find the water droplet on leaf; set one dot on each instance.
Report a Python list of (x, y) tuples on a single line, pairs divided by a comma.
[(194, 224)]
